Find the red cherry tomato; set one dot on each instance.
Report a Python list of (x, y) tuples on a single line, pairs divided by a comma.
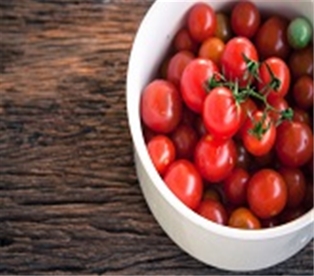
[(233, 63), (161, 106), (185, 139), (296, 186), (214, 159), (193, 80), (184, 42), (201, 22), (267, 193), (213, 210), (162, 152), (280, 71), (301, 62), (185, 182), (177, 65), (279, 104), (271, 38), (294, 144), (235, 186), (258, 144), (301, 116), (243, 218), (303, 92), (221, 113), (245, 19)]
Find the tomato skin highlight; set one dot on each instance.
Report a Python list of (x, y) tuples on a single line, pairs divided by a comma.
[(267, 193), (201, 22), (258, 146), (193, 80), (233, 63), (245, 19), (294, 144), (185, 182), (161, 106), (221, 113), (215, 159)]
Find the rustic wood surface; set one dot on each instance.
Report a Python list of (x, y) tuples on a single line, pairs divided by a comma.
[(70, 202)]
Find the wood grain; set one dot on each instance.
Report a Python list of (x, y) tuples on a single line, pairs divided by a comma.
[(70, 202)]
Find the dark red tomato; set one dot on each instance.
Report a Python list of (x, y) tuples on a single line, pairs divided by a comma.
[(200, 127), (301, 62), (243, 218), (212, 48), (303, 92), (245, 19), (294, 144), (213, 210), (267, 193), (212, 193), (177, 65), (233, 63), (223, 28), (244, 159), (185, 139), (280, 71), (221, 113), (184, 42), (193, 80), (296, 186), (161, 106), (265, 161), (201, 22), (301, 116), (188, 116), (289, 214), (148, 134), (258, 144), (279, 104), (235, 186), (162, 152), (185, 182), (271, 38), (215, 159)]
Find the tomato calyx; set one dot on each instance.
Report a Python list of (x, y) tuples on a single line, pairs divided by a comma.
[(259, 129)]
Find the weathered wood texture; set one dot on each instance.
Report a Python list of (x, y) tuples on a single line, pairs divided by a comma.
[(69, 196)]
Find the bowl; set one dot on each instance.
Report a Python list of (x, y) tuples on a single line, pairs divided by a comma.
[(220, 246)]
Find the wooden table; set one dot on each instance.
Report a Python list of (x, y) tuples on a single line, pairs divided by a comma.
[(70, 202)]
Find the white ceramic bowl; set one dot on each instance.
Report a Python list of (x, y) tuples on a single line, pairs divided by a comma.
[(216, 245)]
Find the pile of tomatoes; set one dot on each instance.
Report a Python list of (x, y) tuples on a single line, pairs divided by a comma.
[(228, 121)]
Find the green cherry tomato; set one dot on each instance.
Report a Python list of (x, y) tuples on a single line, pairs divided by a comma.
[(299, 33)]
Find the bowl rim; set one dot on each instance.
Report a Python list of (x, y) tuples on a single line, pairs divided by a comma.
[(140, 148)]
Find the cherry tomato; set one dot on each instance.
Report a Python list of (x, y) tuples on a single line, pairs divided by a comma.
[(184, 42), (185, 182), (188, 116), (235, 186), (301, 62), (280, 71), (245, 19), (193, 80), (223, 28), (212, 193), (221, 113), (201, 22), (259, 144), (296, 186), (161, 106), (294, 144), (214, 159), (163, 70), (233, 64), (303, 92), (248, 107), (267, 193), (148, 134), (200, 127), (185, 139), (244, 159), (299, 32), (212, 48), (162, 152), (213, 211), (271, 39), (279, 104), (243, 218), (301, 116), (177, 65)]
